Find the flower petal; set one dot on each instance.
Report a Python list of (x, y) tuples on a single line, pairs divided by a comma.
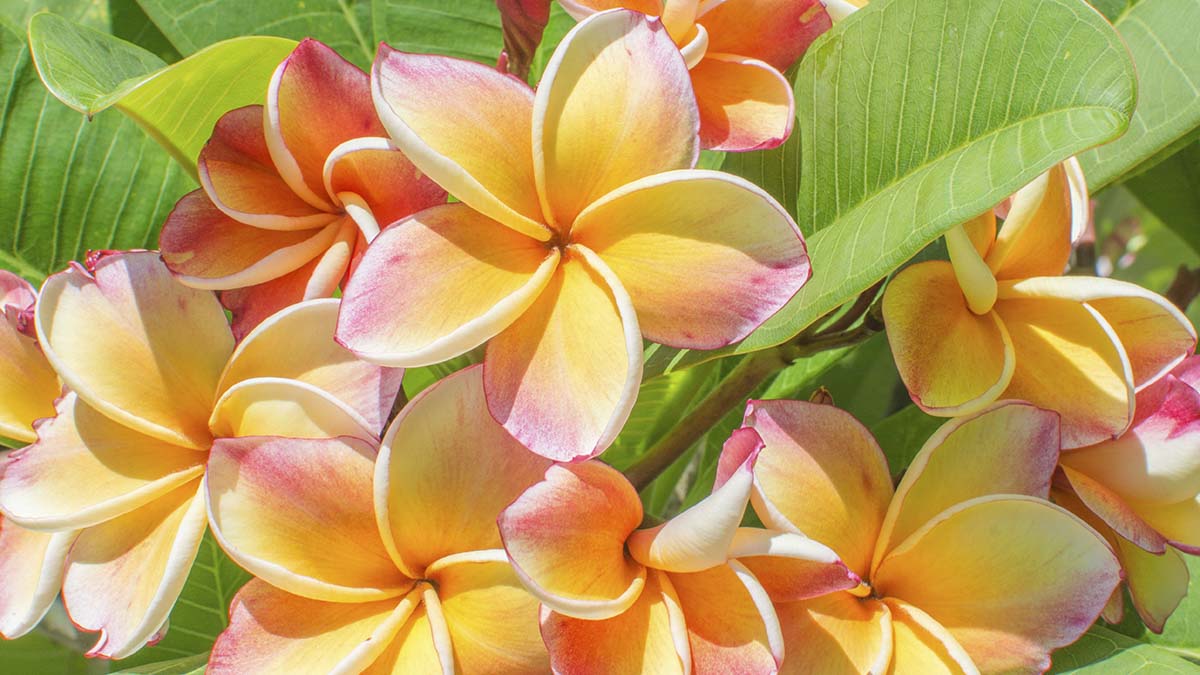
[(207, 249), (1009, 448), (272, 406), (1178, 522), (1113, 511), (318, 278), (921, 646), (440, 284), (820, 474), (124, 576), (581, 9), (237, 173), (1157, 583), (791, 566), (615, 104), (31, 564), (28, 385), (421, 645), (273, 631), (435, 457), (744, 103), (1036, 237), (297, 343), (377, 184), (566, 538), (706, 256), (467, 127), (776, 31), (492, 619), (1011, 577), (563, 377), (836, 634), (1070, 361), (648, 637), (952, 361), (86, 469), (731, 625), (137, 345), (16, 292), (299, 514), (315, 101)]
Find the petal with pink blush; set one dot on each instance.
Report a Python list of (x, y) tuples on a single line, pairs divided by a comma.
[(1178, 522), (28, 385), (836, 634), (252, 305), (315, 101), (791, 566), (297, 343), (820, 474), (124, 576), (271, 630), (15, 291), (272, 406), (1009, 448), (566, 538), (439, 284), (85, 469), (207, 249), (237, 172), (776, 31), (731, 625), (299, 514), (581, 9), (921, 646), (1157, 583), (744, 103), (1113, 510), (467, 127), (31, 564), (1010, 577), (437, 453), (377, 184), (706, 256), (137, 345), (648, 637), (615, 104)]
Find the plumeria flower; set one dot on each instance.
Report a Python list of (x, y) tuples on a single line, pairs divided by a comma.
[(676, 598), (31, 563), (390, 564), (283, 186), (581, 229), (737, 51), (154, 377), (999, 321), (964, 567), (1142, 491)]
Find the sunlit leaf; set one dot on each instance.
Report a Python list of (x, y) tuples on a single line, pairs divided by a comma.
[(1104, 652)]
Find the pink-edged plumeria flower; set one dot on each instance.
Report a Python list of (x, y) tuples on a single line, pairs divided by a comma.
[(965, 567), (676, 598), (292, 191), (1142, 491), (998, 320), (737, 51), (153, 378), (388, 564), (581, 229)]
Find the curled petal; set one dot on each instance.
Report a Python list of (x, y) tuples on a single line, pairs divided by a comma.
[(1037, 234), (615, 104), (439, 284), (15, 292), (272, 406), (137, 345), (744, 103), (922, 646), (299, 514), (1114, 511), (706, 257), (775, 31), (31, 564), (377, 184), (437, 453), (1157, 582), (837, 634), (731, 625), (566, 538), (791, 566), (563, 377)]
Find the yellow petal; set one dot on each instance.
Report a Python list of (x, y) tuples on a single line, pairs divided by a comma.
[(421, 645), (31, 564), (836, 634), (615, 104), (921, 646), (791, 566), (28, 385), (271, 406), (1036, 237), (731, 625)]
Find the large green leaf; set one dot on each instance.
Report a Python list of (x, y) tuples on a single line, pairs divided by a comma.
[(468, 29), (129, 22), (1171, 190), (71, 184), (1104, 652), (915, 115), (1161, 34), (177, 104)]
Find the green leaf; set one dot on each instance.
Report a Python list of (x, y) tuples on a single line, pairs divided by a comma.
[(1104, 652), (187, 665), (178, 104), (71, 184), (902, 434), (1171, 190), (37, 653), (201, 612), (776, 170), (915, 115), (468, 29), (130, 23), (1161, 35)]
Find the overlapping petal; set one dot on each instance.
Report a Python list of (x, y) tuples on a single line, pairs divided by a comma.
[(437, 453), (273, 406), (921, 646), (299, 514), (421, 645), (31, 564), (775, 31), (28, 385), (563, 377), (705, 256), (1113, 511), (1037, 234), (439, 284), (137, 345), (745, 104), (731, 625), (791, 566), (836, 634), (377, 184)]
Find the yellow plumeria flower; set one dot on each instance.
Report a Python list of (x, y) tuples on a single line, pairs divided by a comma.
[(154, 377), (384, 565), (965, 568), (999, 321)]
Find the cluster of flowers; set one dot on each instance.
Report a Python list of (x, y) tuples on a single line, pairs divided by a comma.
[(476, 531)]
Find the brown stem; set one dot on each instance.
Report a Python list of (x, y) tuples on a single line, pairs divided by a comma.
[(860, 306), (1184, 288)]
